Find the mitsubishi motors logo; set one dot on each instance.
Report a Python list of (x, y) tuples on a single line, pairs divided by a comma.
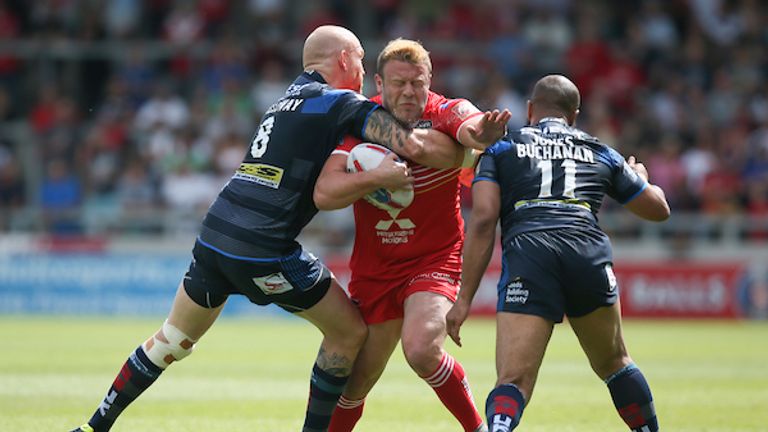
[(404, 229), (403, 223)]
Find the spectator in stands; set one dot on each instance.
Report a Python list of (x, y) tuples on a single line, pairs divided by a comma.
[(12, 193), (60, 195), (691, 68)]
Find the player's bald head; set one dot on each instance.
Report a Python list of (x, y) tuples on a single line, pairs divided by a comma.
[(325, 42), (556, 95)]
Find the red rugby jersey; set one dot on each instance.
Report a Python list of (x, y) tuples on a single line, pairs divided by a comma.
[(391, 245)]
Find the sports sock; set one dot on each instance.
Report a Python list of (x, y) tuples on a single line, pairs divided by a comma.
[(450, 383), (632, 399), (504, 407), (346, 414), (136, 375), (324, 392)]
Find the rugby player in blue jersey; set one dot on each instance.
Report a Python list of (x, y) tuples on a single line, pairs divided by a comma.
[(247, 242), (546, 182)]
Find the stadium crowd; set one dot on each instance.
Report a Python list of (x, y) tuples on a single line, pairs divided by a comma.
[(113, 109)]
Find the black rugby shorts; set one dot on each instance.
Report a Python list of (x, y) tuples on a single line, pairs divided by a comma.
[(294, 282)]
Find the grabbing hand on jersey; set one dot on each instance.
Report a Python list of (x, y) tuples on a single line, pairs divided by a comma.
[(393, 174)]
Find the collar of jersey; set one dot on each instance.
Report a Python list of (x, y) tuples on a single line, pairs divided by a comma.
[(553, 119), (315, 76)]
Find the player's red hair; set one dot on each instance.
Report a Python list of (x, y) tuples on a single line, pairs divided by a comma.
[(406, 50)]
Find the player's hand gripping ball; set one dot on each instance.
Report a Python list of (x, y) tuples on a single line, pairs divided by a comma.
[(367, 156)]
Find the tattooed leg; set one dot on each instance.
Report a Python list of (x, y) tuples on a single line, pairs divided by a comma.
[(334, 363), (344, 333)]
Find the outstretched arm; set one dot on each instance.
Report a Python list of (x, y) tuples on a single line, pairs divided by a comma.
[(433, 148), (483, 131), (474, 135), (478, 248)]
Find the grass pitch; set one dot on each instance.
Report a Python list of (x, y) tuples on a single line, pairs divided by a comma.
[(252, 375)]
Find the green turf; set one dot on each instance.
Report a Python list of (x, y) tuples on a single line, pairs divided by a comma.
[(252, 375)]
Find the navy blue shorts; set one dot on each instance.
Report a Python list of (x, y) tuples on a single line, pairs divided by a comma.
[(557, 272), (295, 282)]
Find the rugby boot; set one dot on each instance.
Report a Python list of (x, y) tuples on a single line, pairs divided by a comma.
[(84, 428)]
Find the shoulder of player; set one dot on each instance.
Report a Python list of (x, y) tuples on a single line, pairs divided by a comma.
[(437, 103), (595, 143), (343, 94), (502, 146)]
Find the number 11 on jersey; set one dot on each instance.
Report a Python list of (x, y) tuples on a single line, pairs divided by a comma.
[(569, 188)]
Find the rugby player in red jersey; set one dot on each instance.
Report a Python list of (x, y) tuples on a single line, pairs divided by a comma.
[(406, 265)]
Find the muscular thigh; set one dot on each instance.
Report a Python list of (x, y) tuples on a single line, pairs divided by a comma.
[(587, 270), (530, 283), (424, 321)]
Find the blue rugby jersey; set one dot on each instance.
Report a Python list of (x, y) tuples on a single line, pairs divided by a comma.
[(555, 176), (268, 200)]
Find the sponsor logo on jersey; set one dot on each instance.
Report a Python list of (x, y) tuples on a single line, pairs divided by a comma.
[(265, 175), (405, 229), (516, 293), (462, 110), (273, 284), (438, 276), (295, 89), (612, 284)]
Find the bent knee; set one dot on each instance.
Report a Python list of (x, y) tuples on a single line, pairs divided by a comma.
[(168, 345), (423, 358), (359, 334), (351, 336), (606, 367)]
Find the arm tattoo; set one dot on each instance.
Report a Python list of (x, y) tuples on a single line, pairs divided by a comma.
[(333, 363), (384, 129)]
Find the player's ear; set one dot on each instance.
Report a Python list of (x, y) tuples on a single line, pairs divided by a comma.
[(379, 82), (572, 118), (529, 114), (343, 60)]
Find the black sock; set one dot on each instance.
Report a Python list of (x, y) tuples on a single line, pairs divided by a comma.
[(136, 375), (632, 399), (504, 407), (324, 392)]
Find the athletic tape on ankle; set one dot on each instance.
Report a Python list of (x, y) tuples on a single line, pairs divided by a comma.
[(177, 347)]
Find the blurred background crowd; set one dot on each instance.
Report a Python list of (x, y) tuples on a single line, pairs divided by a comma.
[(129, 115)]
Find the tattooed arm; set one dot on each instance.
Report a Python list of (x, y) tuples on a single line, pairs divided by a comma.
[(384, 129), (423, 146)]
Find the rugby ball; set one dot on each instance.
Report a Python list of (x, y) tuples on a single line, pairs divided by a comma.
[(367, 156)]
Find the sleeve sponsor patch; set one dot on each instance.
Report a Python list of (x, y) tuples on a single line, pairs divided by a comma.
[(263, 174)]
